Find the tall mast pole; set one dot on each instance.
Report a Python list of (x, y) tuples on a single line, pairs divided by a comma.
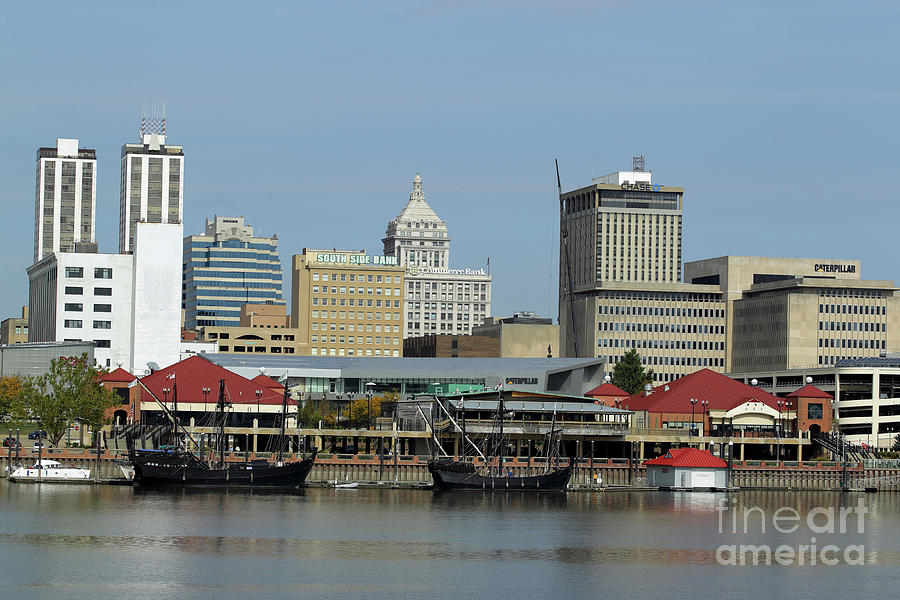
[(565, 240), (462, 410), (500, 441), (284, 400), (220, 407)]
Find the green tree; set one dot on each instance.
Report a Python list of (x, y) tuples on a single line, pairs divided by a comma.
[(68, 391), (10, 390), (629, 374)]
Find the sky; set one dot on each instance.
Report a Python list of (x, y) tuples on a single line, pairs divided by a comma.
[(310, 119)]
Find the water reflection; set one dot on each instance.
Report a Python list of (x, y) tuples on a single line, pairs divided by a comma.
[(363, 543)]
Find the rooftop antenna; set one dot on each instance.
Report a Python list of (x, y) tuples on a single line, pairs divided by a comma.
[(637, 163), (164, 119), (143, 119)]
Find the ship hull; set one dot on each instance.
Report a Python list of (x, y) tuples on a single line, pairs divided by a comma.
[(451, 477), (162, 471)]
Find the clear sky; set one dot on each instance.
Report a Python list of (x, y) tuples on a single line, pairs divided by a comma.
[(311, 119)]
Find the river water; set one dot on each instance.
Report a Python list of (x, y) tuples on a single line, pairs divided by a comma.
[(94, 541)]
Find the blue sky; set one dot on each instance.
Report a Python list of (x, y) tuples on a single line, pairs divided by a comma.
[(311, 119)]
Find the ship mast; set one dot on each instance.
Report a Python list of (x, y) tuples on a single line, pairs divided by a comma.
[(220, 408), (281, 440)]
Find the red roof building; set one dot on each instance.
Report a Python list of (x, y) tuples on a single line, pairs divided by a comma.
[(689, 457), (268, 383), (608, 395), (687, 468), (197, 381)]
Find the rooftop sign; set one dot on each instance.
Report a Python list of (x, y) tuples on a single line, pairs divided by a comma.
[(415, 270), (357, 259)]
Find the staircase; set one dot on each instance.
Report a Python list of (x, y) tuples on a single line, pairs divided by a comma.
[(840, 448)]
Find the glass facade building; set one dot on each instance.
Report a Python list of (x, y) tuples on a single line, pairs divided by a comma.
[(226, 268)]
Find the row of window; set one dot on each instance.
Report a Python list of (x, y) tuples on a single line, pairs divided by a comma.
[(316, 326), (444, 286), (661, 344), (98, 291), (851, 293), (78, 307), (352, 277), (350, 352), (851, 326), (259, 349), (352, 302), (288, 337), (444, 306), (477, 317), (845, 343), (444, 296), (77, 323), (99, 272), (360, 291), (662, 311), (852, 309), (413, 325), (335, 339), (677, 328), (674, 361)]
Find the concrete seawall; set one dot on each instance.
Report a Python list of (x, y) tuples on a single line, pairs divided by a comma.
[(412, 471)]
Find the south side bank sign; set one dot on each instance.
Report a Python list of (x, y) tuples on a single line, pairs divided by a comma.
[(357, 259)]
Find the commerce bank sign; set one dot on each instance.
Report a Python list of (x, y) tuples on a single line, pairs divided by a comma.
[(824, 268), (357, 259), (415, 270)]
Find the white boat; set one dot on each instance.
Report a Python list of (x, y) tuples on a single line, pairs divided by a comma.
[(346, 486), (50, 471)]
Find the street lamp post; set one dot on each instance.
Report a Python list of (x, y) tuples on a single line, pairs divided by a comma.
[(705, 404), (205, 397), (691, 428), (370, 392)]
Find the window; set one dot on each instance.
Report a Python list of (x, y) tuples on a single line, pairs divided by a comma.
[(72, 323), (98, 291), (102, 273), (102, 324), (74, 272), (102, 343), (74, 307), (75, 291), (814, 411)]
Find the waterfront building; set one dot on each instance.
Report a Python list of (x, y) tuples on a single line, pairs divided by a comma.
[(437, 299), (152, 183), (608, 394), (865, 392), (263, 329), (347, 303), (687, 468), (65, 198), (14, 330), (129, 306), (226, 268), (349, 375), (785, 313), (707, 408)]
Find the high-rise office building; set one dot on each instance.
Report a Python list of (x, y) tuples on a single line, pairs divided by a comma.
[(65, 198), (226, 268), (620, 271), (152, 183), (347, 303), (438, 299)]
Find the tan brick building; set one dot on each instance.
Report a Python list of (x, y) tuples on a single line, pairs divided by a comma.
[(347, 303)]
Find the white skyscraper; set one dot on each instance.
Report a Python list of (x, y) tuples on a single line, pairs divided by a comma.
[(65, 198), (152, 182), (438, 299)]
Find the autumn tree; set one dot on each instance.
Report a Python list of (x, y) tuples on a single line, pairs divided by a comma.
[(364, 412), (69, 391), (10, 390), (629, 374)]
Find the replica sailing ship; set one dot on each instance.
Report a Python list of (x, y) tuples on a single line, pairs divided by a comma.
[(455, 475), (181, 467)]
